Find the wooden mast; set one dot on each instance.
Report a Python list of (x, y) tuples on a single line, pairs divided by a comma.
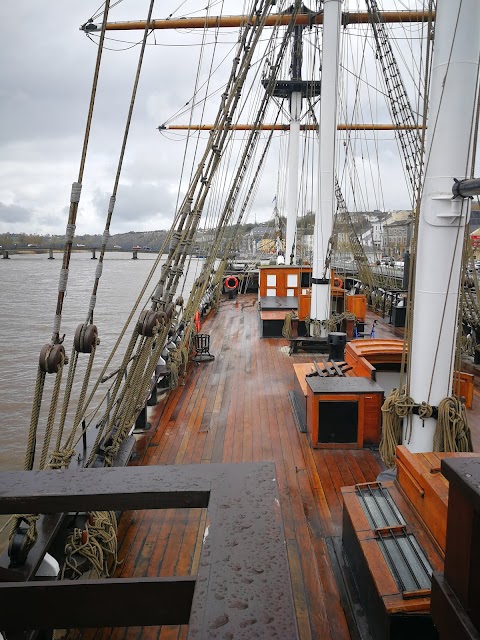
[(278, 19)]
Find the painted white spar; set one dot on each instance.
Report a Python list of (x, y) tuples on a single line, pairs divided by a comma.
[(443, 219), (292, 174), (332, 14)]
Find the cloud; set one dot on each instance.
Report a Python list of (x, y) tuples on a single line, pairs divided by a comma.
[(139, 206), (47, 66), (11, 213)]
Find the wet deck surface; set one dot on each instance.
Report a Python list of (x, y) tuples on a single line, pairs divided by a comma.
[(237, 409)]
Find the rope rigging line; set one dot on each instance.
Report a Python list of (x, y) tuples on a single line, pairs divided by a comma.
[(99, 270), (203, 282), (238, 180), (52, 355), (207, 166), (86, 336), (182, 234)]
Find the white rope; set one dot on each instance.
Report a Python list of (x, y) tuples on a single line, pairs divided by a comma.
[(56, 324), (76, 191), (62, 282), (69, 232)]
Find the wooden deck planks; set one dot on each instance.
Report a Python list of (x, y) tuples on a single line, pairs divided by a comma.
[(236, 409)]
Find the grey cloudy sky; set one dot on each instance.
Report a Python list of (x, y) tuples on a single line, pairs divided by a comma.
[(46, 67)]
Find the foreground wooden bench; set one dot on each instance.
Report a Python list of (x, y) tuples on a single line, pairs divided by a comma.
[(243, 544)]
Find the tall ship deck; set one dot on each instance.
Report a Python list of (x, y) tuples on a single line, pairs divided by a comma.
[(237, 409), (222, 465)]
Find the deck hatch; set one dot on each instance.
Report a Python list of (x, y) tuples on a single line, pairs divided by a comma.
[(407, 562), (378, 506)]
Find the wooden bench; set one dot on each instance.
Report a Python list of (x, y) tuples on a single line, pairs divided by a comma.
[(244, 544)]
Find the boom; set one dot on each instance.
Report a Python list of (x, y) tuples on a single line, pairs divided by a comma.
[(278, 19)]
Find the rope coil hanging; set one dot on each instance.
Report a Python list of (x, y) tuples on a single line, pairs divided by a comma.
[(97, 544), (452, 432)]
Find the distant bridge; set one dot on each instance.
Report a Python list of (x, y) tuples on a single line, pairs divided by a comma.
[(6, 252)]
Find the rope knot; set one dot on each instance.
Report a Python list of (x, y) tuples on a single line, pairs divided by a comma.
[(425, 410)]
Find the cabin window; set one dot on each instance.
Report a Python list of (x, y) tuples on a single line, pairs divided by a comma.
[(271, 292), (290, 293), (292, 280), (271, 281), (306, 279)]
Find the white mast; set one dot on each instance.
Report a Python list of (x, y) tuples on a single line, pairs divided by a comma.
[(295, 90), (292, 173), (332, 13), (443, 219)]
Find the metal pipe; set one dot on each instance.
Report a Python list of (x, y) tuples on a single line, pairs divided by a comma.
[(466, 188)]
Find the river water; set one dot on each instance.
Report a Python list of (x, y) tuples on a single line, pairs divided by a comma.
[(28, 297)]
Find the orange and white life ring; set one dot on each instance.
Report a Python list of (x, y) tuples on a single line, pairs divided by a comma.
[(231, 283), (196, 319), (338, 282)]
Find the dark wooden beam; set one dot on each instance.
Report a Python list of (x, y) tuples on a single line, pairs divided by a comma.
[(243, 577), (115, 602), (117, 489)]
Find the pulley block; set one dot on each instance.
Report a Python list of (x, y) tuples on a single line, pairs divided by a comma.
[(19, 545), (162, 317), (169, 309), (51, 358), (147, 322), (86, 338)]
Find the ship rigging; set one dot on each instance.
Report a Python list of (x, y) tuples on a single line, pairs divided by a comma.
[(334, 407)]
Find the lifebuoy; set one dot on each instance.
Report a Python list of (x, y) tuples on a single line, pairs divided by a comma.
[(338, 282), (197, 322), (231, 283)]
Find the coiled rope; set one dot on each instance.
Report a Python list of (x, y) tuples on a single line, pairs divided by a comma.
[(396, 407), (97, 544), (452, 432), (178, 365), (287, 330), (391, 429)]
